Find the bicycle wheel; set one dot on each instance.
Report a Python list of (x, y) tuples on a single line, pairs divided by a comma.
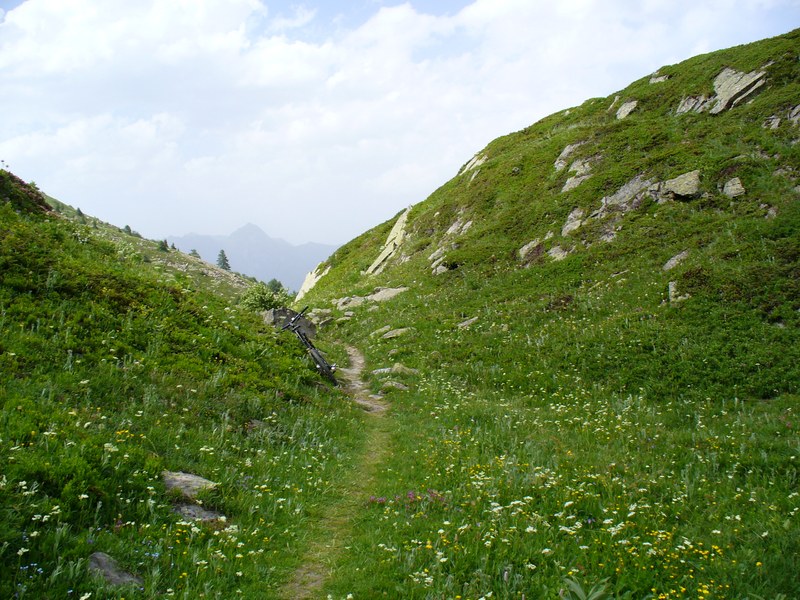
[(322, 365)]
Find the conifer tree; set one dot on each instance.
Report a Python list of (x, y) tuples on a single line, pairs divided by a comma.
[(222, 261)]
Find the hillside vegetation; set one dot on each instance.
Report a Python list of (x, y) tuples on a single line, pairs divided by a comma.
[(602, 310), (590, 382), (115, 367)]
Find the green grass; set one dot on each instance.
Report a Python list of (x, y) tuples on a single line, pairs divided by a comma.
[(586, 431), (113, 372), (586, 436)]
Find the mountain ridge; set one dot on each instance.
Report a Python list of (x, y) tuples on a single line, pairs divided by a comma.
[(253, 252)]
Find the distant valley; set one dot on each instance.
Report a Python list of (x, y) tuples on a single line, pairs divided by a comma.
[(252, 252)]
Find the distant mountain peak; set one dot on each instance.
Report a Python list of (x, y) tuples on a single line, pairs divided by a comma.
[(253, 252)]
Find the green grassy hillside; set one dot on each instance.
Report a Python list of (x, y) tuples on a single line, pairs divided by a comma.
[(608, 367), (592, 377), (114, 367)]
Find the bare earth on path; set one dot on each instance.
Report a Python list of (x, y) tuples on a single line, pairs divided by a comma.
[(329, 536)]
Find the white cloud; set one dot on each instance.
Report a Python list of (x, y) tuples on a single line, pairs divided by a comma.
[(178, 115)]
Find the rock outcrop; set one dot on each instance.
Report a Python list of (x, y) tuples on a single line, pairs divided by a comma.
[(675, 260), (574, 220), (459, 227), (582, 169), (379, 295), (626, 109), (393, 242), (730, 87), (733, 188), (683, 186), (562, 161), (311, 280), (473, 165)]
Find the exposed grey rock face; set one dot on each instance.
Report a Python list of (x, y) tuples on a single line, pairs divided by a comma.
[(682, 186), (730, 87), (574, 220), (311, 280), (557, 253), (528, 249), (675, 260), (625, 198), (459, 227), (106, 567), (562, 161), (656, 78), (794, 115), (692, 103), (189, 485), (475, 162), (772, 122), (393, 242), (733, 86), (626, 109), (582, 169), (686, 185), (733, 188), (379, 295), (573, 182)]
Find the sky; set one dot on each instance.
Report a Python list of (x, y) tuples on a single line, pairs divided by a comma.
[(315, 120)]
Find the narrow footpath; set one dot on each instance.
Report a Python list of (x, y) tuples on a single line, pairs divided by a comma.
[(330, 535)]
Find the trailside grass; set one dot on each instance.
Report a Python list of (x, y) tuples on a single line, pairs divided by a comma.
[(112, 371)]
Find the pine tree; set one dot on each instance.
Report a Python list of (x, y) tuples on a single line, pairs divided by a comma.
[(222, 261)]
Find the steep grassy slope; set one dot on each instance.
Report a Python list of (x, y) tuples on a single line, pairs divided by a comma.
[(174, 267), (114, 369), (608, 370)]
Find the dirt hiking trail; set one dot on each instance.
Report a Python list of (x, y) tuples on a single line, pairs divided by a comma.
[(329, 536)]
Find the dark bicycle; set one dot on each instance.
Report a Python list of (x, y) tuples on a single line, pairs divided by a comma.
[(294, 324)]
